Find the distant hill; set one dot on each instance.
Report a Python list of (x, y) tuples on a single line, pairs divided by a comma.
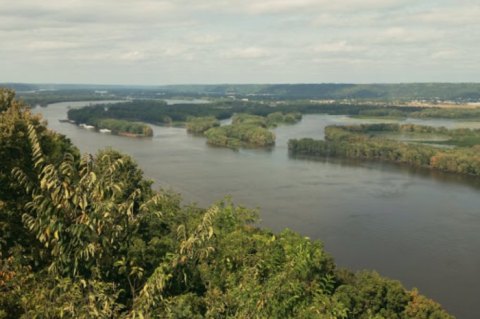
[(407, 91), (464, 92)]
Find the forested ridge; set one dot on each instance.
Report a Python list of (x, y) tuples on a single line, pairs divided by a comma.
[(86, 236), (48, 93)]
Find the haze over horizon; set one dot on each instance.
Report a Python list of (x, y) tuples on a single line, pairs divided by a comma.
[(150, 42)]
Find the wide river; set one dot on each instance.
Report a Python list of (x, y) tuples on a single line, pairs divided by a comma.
[(420, 227)]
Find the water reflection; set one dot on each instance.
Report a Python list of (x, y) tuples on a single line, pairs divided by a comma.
[(436, 175)]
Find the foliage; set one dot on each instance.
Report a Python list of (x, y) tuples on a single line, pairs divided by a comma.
[(245, 131), (249, 119), (359, 142), (199, 125), (15, 151), (122, 126), (447, 113), (271, 120)]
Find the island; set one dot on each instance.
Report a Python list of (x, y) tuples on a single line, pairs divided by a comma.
[(454, 151)]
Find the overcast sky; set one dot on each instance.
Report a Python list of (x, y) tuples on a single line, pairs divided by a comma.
[(239, 41)]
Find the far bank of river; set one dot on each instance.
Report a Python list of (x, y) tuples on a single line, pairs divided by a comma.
[(419, 227)]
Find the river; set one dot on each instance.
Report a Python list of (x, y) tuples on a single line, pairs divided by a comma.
[(417, 226)]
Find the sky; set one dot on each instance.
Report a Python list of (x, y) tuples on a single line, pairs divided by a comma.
[(150, 42)]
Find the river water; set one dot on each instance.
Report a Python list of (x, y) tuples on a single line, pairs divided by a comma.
[(417, 226)]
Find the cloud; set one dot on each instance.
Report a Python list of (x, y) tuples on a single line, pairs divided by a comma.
[(337, 47), (51, 45), (132, 56), (237, 40), (247, 53), (205, 38), (444, 54), (256, 7), (457, 15), (275, 6), (405, 35)]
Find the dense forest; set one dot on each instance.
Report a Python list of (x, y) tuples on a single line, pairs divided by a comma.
[(366, 142), (246, 130), (123, 127), (88, 237), (199, 125), (423, 113)]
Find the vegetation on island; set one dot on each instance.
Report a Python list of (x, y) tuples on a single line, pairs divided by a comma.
[(149, 111), (240, 135), (366, 142), (447, 113), (269, 121), (158, 112), (424, 113), (246, 130), (199, 125), (277, 118), (87, 237), (123, 127)]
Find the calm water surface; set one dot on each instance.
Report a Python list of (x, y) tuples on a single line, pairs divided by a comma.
[(419, 227)]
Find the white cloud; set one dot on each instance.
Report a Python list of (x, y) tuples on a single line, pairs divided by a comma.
[(406, 35), (247, 53), (205, 39), (51, 45), (337, 47), (274, 6), (444, 54), (240, 40), (294, 6), (132, 56), (458, 15)]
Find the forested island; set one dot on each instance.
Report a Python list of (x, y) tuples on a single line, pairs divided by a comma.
[(199, 125), (246, 130), (367, 142), (158, 112), (87, 236), (123, 127)]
